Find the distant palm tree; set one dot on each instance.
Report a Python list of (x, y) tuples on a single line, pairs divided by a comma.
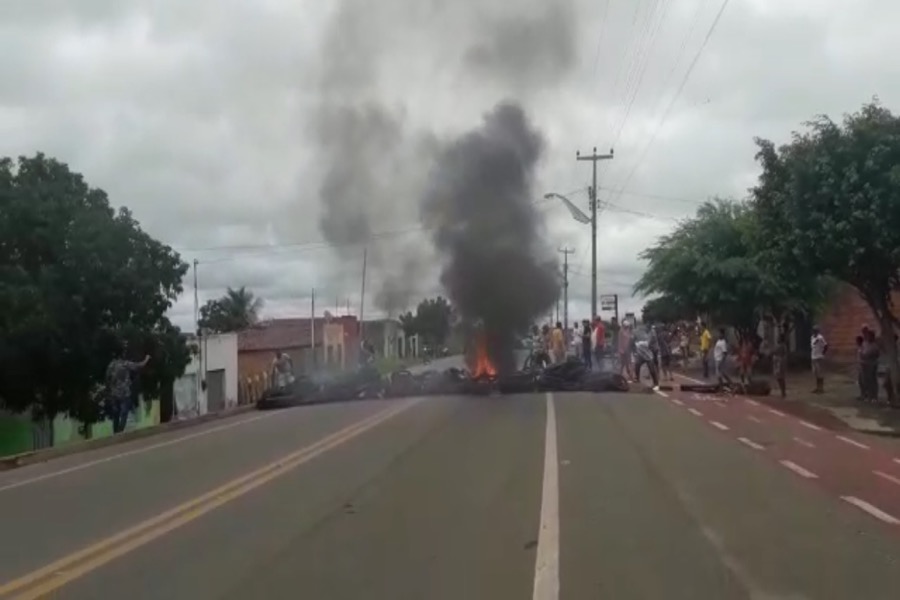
[(236, 310), (242, 304)]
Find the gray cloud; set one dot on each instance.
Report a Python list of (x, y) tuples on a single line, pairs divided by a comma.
[(198, 115)]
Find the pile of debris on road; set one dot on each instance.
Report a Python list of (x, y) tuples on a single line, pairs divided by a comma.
[(756, 387), (568, 376)]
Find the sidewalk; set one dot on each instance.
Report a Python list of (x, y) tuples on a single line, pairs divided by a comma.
[(835, 409)]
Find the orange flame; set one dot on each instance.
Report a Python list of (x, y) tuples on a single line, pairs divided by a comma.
[(481, 363)]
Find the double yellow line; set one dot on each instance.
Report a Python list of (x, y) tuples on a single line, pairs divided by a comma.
[(53, 576)]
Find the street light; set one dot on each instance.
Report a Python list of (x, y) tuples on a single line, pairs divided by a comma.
[(576, 212), (582, 218)]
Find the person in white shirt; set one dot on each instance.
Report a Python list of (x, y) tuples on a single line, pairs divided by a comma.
[(720, 358), (818, 347)]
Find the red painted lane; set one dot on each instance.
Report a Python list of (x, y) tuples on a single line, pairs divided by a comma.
[(841, 463)]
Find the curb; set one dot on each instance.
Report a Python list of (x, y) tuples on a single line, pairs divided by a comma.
[(8, 463)]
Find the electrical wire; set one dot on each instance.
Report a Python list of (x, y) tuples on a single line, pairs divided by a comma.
[(675, 97)]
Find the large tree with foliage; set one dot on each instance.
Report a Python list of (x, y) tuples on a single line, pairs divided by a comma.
[(77, 278), (665, 309), (830, 202), (237, 309), (712, 265), (432, 321)]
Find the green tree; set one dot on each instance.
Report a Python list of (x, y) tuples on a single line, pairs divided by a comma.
[(711, 265), (433, 318), (237, 309), (408, 323), (830, 203), (664, 309), (76, 277)]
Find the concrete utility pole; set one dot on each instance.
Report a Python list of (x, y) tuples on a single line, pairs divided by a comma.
[(594, 157), (312, 327), (362, 293), (566, 251)]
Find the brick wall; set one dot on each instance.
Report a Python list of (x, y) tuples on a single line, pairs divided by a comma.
[(842, 320)]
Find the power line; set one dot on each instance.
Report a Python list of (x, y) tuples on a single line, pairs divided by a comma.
[(655, 20), (677, 95), (256, 250)]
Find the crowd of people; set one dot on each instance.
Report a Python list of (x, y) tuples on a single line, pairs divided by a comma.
[(722, 358), (614, 347)]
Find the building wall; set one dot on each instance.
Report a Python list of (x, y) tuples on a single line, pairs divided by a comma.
[(842, 320), (18, 433), (217, 351)]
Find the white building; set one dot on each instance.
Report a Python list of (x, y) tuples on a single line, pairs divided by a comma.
[(215, 363)]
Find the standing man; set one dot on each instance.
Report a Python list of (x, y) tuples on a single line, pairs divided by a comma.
[(598, 341), (558, 343), (720, 356), (818, 348), (587, 354), (705, 343), (118, 387), (283, 370)]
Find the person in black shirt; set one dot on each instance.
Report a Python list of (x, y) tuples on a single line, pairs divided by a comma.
[(586, 343)]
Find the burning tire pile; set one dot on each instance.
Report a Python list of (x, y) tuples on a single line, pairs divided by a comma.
[(569, 376)]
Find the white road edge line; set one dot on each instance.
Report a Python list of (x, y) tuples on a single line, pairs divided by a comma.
[(695, 412), (809, 425), (663, 394), (677, 402), (141, 450), (718, 425), (798, 469), (685, 377), (890, 478), (872, 510), (897, 460), (852, 442), (776, 412), (751, 443), (546, 565), (803, 442), (752, 402), (754, 419)]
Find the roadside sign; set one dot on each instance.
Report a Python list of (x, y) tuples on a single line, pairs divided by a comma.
[(608, 302)]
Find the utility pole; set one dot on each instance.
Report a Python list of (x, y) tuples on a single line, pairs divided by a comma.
[(196, 300), (566, 251), (312, 327), (594, 157), (362, 294)]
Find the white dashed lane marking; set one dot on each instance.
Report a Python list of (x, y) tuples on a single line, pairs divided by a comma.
[(872, 510), (798, 469), (852, 442), (751, 443)]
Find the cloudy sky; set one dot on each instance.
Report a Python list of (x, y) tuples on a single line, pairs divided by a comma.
[(269, 139)]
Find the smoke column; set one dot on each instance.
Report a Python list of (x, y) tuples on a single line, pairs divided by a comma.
[(373, 157), (480, 203)]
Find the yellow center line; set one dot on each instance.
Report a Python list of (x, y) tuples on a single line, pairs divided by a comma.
[(73, 566)]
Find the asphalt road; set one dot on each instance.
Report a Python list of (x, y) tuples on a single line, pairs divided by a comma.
[(628, 496)]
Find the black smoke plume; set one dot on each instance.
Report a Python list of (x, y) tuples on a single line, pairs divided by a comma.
[(480, 203), (372, 156)]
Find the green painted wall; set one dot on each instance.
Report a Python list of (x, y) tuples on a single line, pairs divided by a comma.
[(15, 435), (16, 430)]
